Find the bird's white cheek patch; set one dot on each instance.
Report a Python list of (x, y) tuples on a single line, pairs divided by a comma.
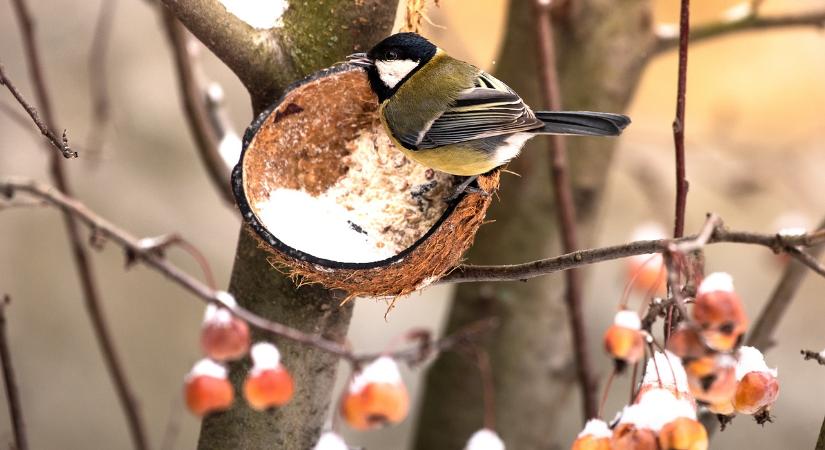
[(391, 72)]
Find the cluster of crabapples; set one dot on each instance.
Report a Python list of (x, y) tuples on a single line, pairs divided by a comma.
[(376, 395), (224, 338), (703, 365)]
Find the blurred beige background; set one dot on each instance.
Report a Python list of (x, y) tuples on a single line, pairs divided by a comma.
[(756, 150)]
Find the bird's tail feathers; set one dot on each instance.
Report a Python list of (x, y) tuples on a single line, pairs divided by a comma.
[(582, 123)]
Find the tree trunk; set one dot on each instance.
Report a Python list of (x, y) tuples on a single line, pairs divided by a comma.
[(602, 49), (314, 35), (311, 309)]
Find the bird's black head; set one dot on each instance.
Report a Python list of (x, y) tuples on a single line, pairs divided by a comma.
[(393, 60)]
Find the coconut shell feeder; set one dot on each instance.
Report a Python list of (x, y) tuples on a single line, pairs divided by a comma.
[(333, 202)]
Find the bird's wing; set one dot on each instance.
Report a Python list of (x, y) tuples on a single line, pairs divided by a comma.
[(490, 108)]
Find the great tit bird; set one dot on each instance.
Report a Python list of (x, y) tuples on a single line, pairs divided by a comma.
[(453, 117)]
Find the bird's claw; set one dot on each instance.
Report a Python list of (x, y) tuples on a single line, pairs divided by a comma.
[(468, 189)]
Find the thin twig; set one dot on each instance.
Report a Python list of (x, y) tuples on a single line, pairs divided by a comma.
[(97, 76), (676, 260), (466, 273), (148, 255), (677, 251), (195, 100), (606, 391), (806, 259), (673, 277), (565, 207), (127, 399), (751, 22), (712, 223), (679, 121), (159, 244), (10, 381), (655, 309), (59, 143), (761, 335), (8, 204), (427, 348), (819, 357), (820, 442)]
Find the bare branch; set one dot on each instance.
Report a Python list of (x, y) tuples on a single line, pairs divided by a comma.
[(8, 204), (761, 336), (159, 244), (521, 272), (806, 259), (195, 100), (565, 206), (97, 77), (679, 121), (148, 254), (12, 393), (673, 276), (819, 357), (81, 258), (751, 22), (62, 143), (820, 442), (711, 224)]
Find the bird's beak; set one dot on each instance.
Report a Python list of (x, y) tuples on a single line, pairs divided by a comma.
[(359, 60)]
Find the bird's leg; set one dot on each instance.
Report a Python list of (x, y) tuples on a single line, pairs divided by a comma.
[(465, 187)]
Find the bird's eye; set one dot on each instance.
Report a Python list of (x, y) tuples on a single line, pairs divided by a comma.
[(392, 55)]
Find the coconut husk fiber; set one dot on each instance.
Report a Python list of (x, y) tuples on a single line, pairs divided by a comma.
[(314, 141)]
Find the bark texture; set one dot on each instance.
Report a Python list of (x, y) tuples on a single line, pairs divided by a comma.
[(315, 35), (602, 49)]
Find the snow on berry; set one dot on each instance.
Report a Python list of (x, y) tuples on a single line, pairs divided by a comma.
[(657, 407), (223, 336), (758, 386), (376, 396), (595, 436), (623, 340), (750, 359), (268, 384), (484, 439), (206, 388), (717, 281), (628, 319), (647, 273), (667, 369)]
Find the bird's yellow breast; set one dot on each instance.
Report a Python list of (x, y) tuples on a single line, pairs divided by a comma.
[(453, 159)]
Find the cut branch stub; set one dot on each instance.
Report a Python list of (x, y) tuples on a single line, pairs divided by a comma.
[(334, 202)]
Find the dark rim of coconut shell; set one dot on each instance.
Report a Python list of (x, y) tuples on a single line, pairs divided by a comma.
[(252, 220)]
